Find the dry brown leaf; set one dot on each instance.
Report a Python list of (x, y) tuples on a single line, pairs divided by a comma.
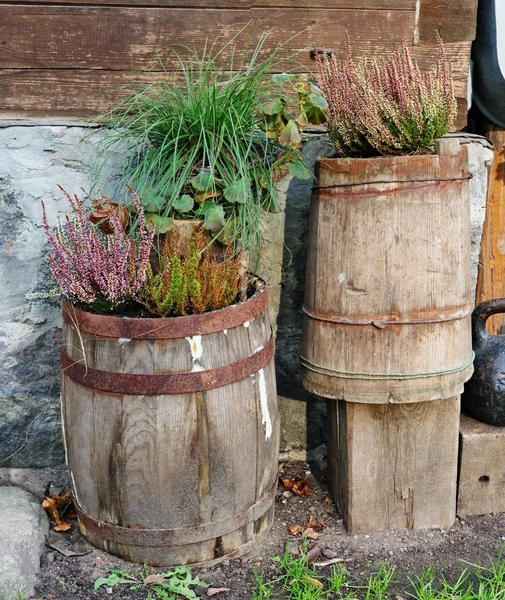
[(214, 591), (54, 505), (154, 578), (295, 529), (301, 488), (311, 534), (328, 500), (287, 482), (314, 523), (313, 554), (332, 561), (61, 526), (314, 582), (49, 506)]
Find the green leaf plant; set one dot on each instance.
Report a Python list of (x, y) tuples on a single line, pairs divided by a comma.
[(207, 141)]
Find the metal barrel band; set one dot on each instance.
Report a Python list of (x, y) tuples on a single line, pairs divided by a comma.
[(106, 326), (430, 180), (140, 384), (380, 324), (182, 536), (307, 364)]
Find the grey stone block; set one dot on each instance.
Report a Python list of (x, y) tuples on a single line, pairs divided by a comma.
[(23, 527)]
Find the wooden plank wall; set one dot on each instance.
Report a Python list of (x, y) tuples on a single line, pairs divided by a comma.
[(72, 58)]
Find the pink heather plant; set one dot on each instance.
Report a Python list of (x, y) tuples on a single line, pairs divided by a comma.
[(386, 106), (99, 270)]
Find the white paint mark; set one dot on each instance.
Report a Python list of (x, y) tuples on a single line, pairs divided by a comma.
[(341, 277), (124, 340), (225, 331), (74, 489), (63, 432), (416, 22), (195, 345), (246, 324), (266, 422)]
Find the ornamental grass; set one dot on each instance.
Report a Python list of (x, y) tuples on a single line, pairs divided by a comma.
[(386, 105)]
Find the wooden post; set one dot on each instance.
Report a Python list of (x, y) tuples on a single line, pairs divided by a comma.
[(482, 469), (491, 277), (394, 466)]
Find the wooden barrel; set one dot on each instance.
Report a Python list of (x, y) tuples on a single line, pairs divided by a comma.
[(387, 299), (171, 431)]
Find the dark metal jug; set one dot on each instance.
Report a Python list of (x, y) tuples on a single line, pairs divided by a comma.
[(484, 396)]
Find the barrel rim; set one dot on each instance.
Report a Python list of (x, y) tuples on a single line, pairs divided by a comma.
[(157, 328)]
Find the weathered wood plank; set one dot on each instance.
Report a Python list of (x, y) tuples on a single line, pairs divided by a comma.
[(456, 20), (491, 275), (243, 4), (482, 470), (128, 38), (394, 466)]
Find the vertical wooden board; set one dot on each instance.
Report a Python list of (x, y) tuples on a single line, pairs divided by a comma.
[(232, 466), (401, 464), (266, 409), (79, 427), (491, 275), (481, 486)]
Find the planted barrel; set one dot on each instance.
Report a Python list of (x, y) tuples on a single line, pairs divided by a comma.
[(387, 300), (172, 431)]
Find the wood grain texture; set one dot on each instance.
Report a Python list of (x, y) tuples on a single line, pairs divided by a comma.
[(388, 288), (481, 488), (117, 38), (169, 462), (47, 68), (395, 5), (456, 20), (491, 274), (394, 466)]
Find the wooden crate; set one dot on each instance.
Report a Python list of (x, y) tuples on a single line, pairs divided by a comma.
[(394, 466), (481, 488)]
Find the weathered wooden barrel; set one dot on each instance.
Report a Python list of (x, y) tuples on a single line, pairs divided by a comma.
[(171, 430), (387, 299)]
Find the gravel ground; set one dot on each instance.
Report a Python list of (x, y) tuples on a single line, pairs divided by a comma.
[(472, 539)]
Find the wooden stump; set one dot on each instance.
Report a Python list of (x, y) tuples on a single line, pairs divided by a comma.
[(481, 487), (394, 466)]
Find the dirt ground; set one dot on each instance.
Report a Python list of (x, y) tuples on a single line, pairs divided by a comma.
[(472, 539)]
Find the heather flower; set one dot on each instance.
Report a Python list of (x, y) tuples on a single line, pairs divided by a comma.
[(96, 269), (386, 106)]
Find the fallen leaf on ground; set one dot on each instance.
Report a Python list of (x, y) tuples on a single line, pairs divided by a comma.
[(153, 579), (54, 506), (332, 561), (61, 526), (328, 501), (214, 591), (311, 534), (314, 524), (59, 544), (314, 582), (301, 488), (295, 529), (313, 554)]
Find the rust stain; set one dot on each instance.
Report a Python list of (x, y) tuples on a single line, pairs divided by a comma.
[(166, 383), (105, 326)]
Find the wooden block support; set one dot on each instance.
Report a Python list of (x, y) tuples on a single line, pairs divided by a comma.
[(481, 487), (394, 466)]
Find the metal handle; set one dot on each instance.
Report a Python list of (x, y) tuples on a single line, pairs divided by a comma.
[(480, 316)]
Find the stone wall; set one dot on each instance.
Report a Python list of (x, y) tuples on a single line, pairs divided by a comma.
[(35, 158)]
